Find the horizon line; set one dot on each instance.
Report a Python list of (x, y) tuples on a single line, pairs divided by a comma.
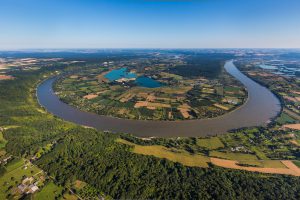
[(141, 48)]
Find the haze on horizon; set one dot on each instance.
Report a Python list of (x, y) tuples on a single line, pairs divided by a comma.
[(149, 24)]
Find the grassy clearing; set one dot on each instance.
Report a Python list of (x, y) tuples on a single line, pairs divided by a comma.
[(273, 164), (210, 143), (14, 175), (232, 156), (248, 159), (182, 157), (49, 191)]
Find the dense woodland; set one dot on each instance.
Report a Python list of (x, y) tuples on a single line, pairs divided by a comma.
[(202, 65), (95, 157)]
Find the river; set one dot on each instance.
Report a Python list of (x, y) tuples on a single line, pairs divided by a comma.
[(261, 106)]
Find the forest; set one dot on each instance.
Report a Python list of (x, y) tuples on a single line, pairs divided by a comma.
[(202, 64)]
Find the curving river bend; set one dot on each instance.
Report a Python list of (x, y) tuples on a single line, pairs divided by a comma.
[(261, 106)]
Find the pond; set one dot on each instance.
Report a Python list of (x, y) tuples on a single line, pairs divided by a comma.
[(147, 82), (119, 73), (142, 81)]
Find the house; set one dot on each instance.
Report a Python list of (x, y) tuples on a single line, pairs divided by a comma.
[(32, 189), (22, 188)]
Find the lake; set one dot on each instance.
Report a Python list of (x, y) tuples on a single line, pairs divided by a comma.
[(119, 73), (147, 82), (261, 106), (141, 81)]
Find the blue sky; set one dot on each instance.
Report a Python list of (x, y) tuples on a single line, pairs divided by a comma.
[(149, 24)]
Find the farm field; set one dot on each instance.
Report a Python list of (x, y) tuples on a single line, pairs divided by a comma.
[(49, 191), (174, 155), (210, 143), (292, 126), (285, 118)]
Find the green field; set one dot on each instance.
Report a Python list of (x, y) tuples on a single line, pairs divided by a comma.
[(231, 89), (180, 156), (285, 118), (232, 156), (49, 191), (248, 159), (210, 143)]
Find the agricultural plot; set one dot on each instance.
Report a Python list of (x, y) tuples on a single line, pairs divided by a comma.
[(210, 143), (49, 191), (285, 118), (174, 155)]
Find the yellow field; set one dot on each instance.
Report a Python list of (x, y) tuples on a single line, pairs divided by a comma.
[(182, 157), (292, 126), (221, 106), (151, 105)]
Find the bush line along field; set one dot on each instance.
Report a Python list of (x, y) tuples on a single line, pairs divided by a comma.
[(111, 167)]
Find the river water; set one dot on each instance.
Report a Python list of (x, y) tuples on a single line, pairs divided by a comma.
[(261, 106)]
